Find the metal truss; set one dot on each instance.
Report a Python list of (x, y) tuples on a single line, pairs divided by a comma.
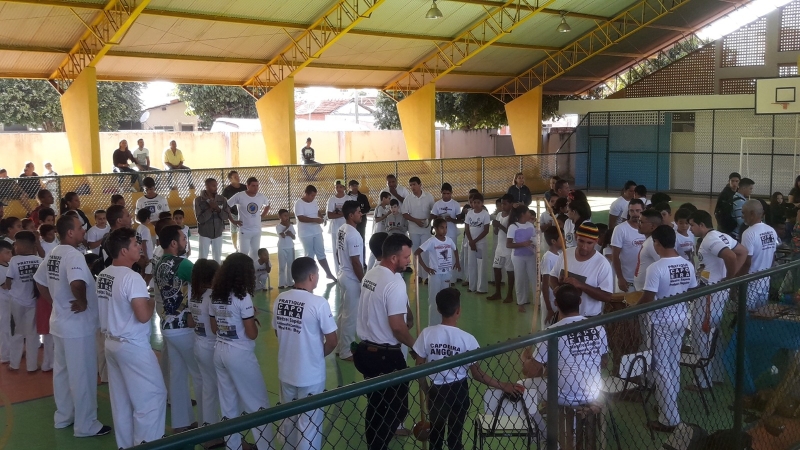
[(311, 43), (596, 41), (498, 23), (105, 31)]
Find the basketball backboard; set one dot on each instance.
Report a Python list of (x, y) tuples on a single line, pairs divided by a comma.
[(778, 95)]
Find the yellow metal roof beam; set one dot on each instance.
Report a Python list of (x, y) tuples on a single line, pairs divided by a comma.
[(311, 44), (605, 35), (105, 31), (498, 23)]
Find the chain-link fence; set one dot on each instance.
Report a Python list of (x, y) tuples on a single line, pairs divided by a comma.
[(715, 368)]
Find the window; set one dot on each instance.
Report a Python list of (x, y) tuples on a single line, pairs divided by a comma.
[(746, 46), (787, 70), (164, 128), (790, 28), (187, 127), (737, 86)]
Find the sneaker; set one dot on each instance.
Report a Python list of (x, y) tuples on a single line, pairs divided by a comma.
[(104, 431)]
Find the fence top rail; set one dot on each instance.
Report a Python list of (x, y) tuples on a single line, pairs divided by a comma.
[(353, 390)]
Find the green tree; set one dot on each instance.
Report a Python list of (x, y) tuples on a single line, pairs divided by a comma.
[(212, 102), (35, 104)]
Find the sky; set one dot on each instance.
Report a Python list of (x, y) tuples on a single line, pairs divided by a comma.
[(160, 92)]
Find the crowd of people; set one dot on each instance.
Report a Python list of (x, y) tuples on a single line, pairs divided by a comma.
[(92, 290)]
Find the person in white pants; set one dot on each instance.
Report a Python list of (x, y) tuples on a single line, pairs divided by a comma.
[(668, 276), (521, 239), (6, 251), (211, 210), (172, 274), (233, 319), (253, 208), (448, 209), (719, 258), (306, 333), (761, 242), (476, 225), (309, 228), (20, 285), (65, 280), (286, 236), (442, 259), (199, 304), (416, 209), (335, 216), (349, 252), (135, 385)]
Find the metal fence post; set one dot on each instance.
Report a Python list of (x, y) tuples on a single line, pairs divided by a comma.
[(552, 393), (738, 399)]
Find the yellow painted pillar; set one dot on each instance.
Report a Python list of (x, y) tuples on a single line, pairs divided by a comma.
[(276, 114), (418, 119), (81, 120), (525, 119)]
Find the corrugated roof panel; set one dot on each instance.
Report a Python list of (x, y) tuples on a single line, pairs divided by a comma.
[(452, 82), (541, 30), (277, 10), (29, 63), (377, 51), (181, 71), (41, 26), (409, 17), (500, 59), (343, 78)]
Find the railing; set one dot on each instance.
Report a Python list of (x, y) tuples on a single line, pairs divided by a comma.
[(760, 350)]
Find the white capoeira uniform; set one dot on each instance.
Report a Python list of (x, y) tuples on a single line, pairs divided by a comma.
[(629, 242), (285, 255), (301, 320), (524, 261), (711, 270), (441, 258), (335, 204), (5, 319), (449, 209), (239, 381), (21, 270), (250, 208), (668, 277), (74, 336), (418, 208), (135, 385), (348, 243), (204, 354), (761, 242), (477, 221), (310, 234)]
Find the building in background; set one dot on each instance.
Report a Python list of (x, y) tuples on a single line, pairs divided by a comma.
[(169, 117)]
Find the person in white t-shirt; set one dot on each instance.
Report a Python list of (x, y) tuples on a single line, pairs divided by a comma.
[(94, 237), (20, 285), (554, 248), (309, 228), (668, 276), (416, 209), (502, 255), (65, 280), (382, 211), (349, 252), (146, 240), (521, 240), (151, 199), (589, 271), (336, 217), (719, 258), (684, 239), (384, 319), (306, 333), (618, 212), (579, 358), (650, 220), (761, 242), (626, 241), (6, 252), (135, 384), (263, 268), (448, 209), (142, 157), (233, 320), (448, 397), (199, 305), (397, 192), (286, 237), (476, 225), (442, 259), (253, 208), (578, 211)]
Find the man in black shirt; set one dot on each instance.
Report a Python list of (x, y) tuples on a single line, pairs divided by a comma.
[(723, 210), (230, 190), (363, 203), (120, 159)]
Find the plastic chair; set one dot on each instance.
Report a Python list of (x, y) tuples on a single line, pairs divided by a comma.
[(697, 363), (635, 368), (507, 416)]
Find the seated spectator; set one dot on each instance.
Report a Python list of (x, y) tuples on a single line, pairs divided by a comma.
[(30, 187), (142, 157), (120, 159), (173, 160), (50, 184), (10, 190)]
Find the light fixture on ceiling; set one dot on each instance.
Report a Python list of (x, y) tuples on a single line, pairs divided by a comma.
[(564, 27), (434, 12)]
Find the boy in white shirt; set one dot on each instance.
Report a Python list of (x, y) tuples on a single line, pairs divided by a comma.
[(49, 241), (381, 212), (335, 216), (502, 255), (20, 287), (178, 216), (263, 268), (442, 259), (448, 397), (145, 238), (549, 260), (286, 236), (95, 234), (684, 243), (477, 228), (6, 252), (306, 333), (151, 199)]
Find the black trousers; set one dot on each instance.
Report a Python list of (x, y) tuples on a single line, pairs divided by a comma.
[(386, 408), (447, 406)]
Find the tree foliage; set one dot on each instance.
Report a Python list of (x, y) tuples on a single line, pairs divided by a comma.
[(35, 104), (212, 102)]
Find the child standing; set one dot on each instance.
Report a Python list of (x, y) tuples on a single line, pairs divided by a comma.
[(493, 217), (502, 255), (521, 239), (684, 239), (448, 397), (178, 217), (442, 258), (448, 209), (549, 259), (145, 238), (151, 199), (21, 288), (9, 227), (96, 234), (6, 251), (286, 237), (476, 229), (464, 242), (263, 267), (382, 211), (395, 222)]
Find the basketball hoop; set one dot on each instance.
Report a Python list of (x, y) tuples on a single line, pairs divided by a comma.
[(784, 104)]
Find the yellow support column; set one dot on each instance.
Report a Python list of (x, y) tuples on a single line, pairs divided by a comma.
[(276, 114), (525, 119), (418, 119), (81, 120)]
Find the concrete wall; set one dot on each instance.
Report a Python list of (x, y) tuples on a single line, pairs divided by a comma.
[(463, 144)]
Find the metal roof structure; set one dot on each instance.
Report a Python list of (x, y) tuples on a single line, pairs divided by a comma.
[(478, 46)]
